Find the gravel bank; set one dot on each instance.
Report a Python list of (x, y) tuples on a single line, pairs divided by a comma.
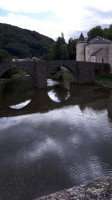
[(103, 84), (100, 189)]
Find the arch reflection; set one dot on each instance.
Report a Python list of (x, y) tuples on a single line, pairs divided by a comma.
[(57, 91), (20, 105), (18, 94)]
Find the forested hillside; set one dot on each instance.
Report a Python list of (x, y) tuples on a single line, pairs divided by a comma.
[(23, 43)]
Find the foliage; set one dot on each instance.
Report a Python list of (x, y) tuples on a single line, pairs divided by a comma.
[(4, 55), (13, 73), (9, 74), (72, 48), (107, 33), (105, 78), (58, 76), (67, 76), (52, 53), (62, 75), (96, 31), (2, 83), (64, 55), (23, 43), (60, 50)]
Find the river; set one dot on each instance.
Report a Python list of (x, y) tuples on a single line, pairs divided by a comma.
[(53, 138)]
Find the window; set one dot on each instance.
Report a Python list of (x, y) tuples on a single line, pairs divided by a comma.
[(102, 60)]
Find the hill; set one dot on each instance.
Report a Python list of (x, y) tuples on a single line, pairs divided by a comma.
[(23, 43)]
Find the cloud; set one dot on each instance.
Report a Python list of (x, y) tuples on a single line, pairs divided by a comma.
[(100, 14), (52, 17), (48, 27)]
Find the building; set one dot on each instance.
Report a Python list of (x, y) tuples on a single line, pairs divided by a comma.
[(97, 50)]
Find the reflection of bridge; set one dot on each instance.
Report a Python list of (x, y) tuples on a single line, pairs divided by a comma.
[(83, 72), (41, 102)]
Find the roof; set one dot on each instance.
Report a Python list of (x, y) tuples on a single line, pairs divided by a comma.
[(99, 40), (81, 38), (96, 52)]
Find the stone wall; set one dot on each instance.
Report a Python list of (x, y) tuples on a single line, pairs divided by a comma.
[(92, 48), (103, 56)]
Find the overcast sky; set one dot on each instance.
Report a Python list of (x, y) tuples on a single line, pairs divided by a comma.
[(51, 17)]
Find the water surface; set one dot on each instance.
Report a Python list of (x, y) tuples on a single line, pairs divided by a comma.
[(53, 139)]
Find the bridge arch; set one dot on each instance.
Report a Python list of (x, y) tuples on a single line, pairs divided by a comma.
[(7, 66), (52, 67), (28, 67)]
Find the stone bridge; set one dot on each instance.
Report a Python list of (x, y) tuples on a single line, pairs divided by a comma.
[(83, 72)]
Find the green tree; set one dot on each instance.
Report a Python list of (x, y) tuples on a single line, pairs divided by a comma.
[(60, 41), (56, 49), (64, 55), (94, 32), (52, 53), (23, 43), (108, 33), (4, 56), (72, 48)]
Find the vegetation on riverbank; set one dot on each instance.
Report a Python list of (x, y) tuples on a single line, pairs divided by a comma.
[(106, 78), (105, 81), (62, 75), (2, 83), (10, 76), (68, 76)]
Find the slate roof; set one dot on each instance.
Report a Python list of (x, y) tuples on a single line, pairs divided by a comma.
[(96, 52), (81, 38), (99, 40)]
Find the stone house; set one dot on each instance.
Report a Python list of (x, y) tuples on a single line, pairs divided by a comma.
[(97, 50)]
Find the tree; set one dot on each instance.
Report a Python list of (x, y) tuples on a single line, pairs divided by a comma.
[(72, 48), (108, 32), (94, 32), (4, 55), (52, 53), (64, 55), (60, 41), (56, 49)]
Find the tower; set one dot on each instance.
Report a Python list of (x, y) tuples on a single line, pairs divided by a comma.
[(80, 48)]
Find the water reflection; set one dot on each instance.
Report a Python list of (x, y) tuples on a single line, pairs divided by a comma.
[(20, 105), (18, 94), (57, 90), (55, 96), (46, 146)]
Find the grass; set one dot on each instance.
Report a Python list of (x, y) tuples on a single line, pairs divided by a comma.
[(68, 76), (60, 75), (107, 78)]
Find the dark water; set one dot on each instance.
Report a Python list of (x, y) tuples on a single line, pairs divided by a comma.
[(47, 145)]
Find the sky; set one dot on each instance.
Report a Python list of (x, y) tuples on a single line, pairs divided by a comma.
[(52, 17)]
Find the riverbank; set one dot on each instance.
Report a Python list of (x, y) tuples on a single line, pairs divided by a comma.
[(4, 81), (105, 84), (100, 189)]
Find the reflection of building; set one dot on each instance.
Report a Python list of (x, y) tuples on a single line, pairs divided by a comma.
[(97, 50)]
